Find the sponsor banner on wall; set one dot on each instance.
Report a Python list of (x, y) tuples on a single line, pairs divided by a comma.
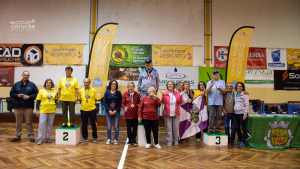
[(276, 59), (129, 55), (238, 54), (124, 73), (293, 59), (172, 55), (7, 76), (287, 79), (256, 57), (63, 54), (205, 74), (221, 54), (100, 57), (177, 74), (259, 76), (21, 54)]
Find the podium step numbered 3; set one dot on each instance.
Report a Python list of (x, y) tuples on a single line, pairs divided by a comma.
[(215, 139), (68, 135)]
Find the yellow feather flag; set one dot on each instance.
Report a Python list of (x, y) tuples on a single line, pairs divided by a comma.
[(100, 57), (238, 54)]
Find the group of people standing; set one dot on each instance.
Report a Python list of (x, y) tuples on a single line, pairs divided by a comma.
[(139, 106)]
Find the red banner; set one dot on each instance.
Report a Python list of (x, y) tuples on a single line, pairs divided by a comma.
[(220, 56), (257, 58), (7, 76)]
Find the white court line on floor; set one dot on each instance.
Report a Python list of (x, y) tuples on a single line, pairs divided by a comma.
[(122, 160)]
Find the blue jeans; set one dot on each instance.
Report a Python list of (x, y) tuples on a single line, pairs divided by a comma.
[(109, 119), (227, 118), (238, 123)]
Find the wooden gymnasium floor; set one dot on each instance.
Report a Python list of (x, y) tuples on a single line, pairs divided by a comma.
[(190, 154)]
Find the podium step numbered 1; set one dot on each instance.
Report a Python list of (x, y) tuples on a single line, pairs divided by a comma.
[(215, 139), (68, 135)]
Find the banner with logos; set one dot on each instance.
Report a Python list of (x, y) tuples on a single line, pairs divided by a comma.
[(129, 55), (220, 59), (100, 57), (177, 74), (238, 54), (63, 54), (7, 75), (259, 76), (21, 54), (172, 55), (256, 57), (293, 59), (276, 59), (124, 73), (205, 74), (287, 79)]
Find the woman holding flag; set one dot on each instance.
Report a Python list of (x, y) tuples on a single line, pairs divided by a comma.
[(201, 92)]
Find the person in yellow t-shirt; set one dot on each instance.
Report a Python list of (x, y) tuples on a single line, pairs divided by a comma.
[(88, 98), (68, 96), (201, 92), (45, 110)]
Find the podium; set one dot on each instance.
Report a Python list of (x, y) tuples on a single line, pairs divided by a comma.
[(215, 139), (68, 135)]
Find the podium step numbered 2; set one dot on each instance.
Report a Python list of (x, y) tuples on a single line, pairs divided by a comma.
[(68, 135), (215, 139)]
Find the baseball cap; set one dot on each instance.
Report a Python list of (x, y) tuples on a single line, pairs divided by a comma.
[(215, 71), (148, 60)]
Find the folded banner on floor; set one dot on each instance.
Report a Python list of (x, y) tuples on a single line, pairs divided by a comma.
[(238, 54), (194, 118), (100, 57)]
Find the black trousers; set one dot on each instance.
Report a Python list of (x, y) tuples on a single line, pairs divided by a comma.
[(131, 123), (151, 125), (238, 122), (198, 135), (84, 120)]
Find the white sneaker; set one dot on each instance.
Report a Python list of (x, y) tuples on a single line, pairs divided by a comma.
[(198, 139), (148, 145), (115, 142), (108, 141), (157, 146)]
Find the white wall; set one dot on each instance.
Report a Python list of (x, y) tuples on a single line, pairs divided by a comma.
[(169, 22), (276, 22), (57, 21)]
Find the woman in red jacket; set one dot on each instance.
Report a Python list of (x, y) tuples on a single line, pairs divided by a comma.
[(148, 114), (130, 102), (172, 99)]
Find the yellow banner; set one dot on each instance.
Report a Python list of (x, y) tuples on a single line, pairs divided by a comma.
[(238, 54), (100, 57), (63, 54), (293, 59), (172, 55)]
